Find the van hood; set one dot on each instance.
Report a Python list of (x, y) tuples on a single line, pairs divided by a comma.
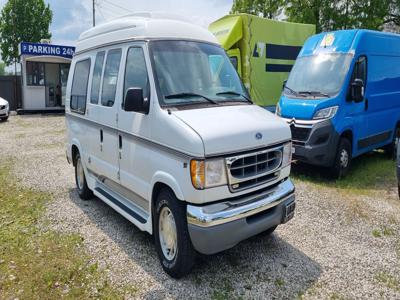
[(303, 109), (227, 129)]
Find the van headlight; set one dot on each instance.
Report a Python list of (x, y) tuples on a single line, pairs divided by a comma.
[(287, 155), (326, 113), (208, 173)]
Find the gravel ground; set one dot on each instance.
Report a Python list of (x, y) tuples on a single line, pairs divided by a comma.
[(327, 251)]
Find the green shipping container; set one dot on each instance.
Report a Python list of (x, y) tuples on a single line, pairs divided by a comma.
[(262, 50)]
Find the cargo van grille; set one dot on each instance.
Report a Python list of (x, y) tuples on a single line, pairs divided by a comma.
[(300, 134), (251, 169)]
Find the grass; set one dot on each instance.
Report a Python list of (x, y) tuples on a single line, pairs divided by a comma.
[(388, 280), (370, 172), (38, 264), (385, 231)]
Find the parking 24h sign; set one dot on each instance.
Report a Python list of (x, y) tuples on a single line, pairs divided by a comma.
[(39, 49)]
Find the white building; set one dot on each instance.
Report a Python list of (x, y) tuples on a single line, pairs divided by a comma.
[(44, 73)]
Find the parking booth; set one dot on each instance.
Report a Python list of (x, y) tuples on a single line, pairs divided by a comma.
[(44, 72)]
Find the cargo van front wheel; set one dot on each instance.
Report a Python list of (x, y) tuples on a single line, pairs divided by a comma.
[(83, 190), (343, 159), (171, 235)]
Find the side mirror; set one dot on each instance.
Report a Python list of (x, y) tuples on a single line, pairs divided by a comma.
[(357, 90), (284, 84), (134, 101)]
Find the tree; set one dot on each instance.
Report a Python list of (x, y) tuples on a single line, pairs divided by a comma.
[(271, 9), (2, 68), (23, 20)]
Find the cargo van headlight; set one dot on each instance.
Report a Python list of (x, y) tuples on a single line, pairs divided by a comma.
[(208, 173), (326, 113), (287, 155)]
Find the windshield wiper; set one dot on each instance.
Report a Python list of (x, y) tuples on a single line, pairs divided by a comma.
[(185, 95), (314, 93), (235, 94), (292, 91)]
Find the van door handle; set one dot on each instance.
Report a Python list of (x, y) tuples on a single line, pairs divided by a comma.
[(101, 139), (120, 146), (366, 103)]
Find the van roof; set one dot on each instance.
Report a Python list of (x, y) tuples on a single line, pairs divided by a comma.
[(352, 40), (143, 26)]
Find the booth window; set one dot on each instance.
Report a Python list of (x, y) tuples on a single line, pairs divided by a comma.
[(110, 77), (80, 86), (35, 73), (136, 72), (98, 69)]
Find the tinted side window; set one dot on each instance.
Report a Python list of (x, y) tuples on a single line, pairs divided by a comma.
[(360, 69), (136, 72), (80, 86), (110, 77), (97, 71)]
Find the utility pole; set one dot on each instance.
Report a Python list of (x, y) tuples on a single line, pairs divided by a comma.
[(94, 13)]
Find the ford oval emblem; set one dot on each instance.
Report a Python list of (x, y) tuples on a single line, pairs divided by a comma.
[(258, 136)]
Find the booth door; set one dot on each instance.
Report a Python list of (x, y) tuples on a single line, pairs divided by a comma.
[(64, 70)]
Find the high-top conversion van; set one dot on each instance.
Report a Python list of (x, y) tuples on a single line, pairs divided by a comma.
[(342, 98), (161, 129)]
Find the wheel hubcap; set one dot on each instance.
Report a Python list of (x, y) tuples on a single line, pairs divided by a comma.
[(79, 174), (344, 158), (167, 233)]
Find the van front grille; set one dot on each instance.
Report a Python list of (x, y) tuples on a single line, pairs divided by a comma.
[(300, 134), (248, 170)]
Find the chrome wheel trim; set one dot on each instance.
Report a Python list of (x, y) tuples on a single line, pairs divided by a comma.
[(80, 175), (344, 158), (167, 233)]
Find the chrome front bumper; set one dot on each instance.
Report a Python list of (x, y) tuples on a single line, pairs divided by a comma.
[(228, 211), (220, 226)]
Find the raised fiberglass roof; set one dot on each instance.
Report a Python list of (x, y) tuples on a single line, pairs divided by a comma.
[(143, 26)]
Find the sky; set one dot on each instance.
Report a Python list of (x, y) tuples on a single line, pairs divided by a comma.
[(72, 17)]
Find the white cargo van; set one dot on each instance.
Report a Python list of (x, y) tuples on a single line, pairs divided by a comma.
[(162, 130)]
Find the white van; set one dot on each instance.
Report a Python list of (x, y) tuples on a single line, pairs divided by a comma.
[(160, 128)]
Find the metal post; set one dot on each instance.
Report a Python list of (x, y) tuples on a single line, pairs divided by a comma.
[(94, 13)]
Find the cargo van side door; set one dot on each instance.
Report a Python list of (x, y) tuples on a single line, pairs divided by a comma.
[(357, 110), (134, 129), (103, 114)]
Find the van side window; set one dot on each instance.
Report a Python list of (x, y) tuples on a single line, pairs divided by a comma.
[(360, 69), (80, 86), (110, 77), (98, 69), (136, 72)]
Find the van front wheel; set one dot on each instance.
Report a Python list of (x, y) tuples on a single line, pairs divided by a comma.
[(343, 159), (83, 190), (171, 235)]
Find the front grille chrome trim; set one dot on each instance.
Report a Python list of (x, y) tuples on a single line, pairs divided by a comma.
[(236, 180)]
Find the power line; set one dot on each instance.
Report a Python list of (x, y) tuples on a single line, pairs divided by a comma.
[(118, 6)]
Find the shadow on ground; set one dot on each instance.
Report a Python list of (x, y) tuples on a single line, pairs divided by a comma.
[(266, 267), (371, 171)]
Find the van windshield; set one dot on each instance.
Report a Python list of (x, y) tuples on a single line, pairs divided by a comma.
[(319, 75), (189, 72)]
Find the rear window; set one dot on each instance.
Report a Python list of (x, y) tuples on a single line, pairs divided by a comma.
[(80, 86)]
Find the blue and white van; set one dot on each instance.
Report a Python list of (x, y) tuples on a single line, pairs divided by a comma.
[(342, 98)]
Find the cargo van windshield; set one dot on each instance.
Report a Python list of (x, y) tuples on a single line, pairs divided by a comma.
[(189, 73), (319, 75)]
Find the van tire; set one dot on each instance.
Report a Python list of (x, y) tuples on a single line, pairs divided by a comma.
[(184, 255), (4, 119), (343, 159), (391, 149), (80, 179)]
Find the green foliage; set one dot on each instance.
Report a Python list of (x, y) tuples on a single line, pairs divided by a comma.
[(325, 14), (265, 8), (23, 20), (2, 68)]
